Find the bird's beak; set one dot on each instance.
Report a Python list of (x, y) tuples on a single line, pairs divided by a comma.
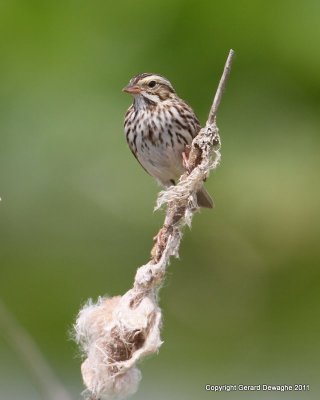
[(132, 89)]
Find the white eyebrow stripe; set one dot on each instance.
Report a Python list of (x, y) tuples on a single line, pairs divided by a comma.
[(158, 78)]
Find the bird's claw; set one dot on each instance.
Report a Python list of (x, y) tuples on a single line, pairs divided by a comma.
[(185, 157)]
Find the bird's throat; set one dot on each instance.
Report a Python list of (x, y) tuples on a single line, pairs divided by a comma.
[(144, 100)]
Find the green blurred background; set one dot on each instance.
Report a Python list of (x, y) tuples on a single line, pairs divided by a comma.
[(76, 217)]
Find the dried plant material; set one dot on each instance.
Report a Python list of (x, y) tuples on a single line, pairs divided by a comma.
[(115, 333), (114, 336)]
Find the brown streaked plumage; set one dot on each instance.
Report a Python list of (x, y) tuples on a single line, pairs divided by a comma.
[(158, 126)]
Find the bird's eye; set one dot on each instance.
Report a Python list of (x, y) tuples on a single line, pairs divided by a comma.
[(152, 84)]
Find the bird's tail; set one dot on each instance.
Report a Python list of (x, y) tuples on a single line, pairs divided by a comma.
[(204, 199)]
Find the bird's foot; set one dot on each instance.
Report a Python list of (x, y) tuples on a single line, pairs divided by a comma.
[(185, 157)]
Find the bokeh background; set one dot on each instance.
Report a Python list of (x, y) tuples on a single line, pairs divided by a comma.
[(76, 217)]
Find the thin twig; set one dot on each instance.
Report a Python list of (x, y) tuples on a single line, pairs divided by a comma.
[(25, 347), (221, 87)]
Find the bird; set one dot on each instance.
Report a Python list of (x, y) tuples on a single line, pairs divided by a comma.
[(158, 126)]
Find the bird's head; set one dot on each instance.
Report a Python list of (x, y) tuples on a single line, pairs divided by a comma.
[(149, 89)]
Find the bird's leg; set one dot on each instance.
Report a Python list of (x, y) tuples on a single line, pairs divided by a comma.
[(185, 157)]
